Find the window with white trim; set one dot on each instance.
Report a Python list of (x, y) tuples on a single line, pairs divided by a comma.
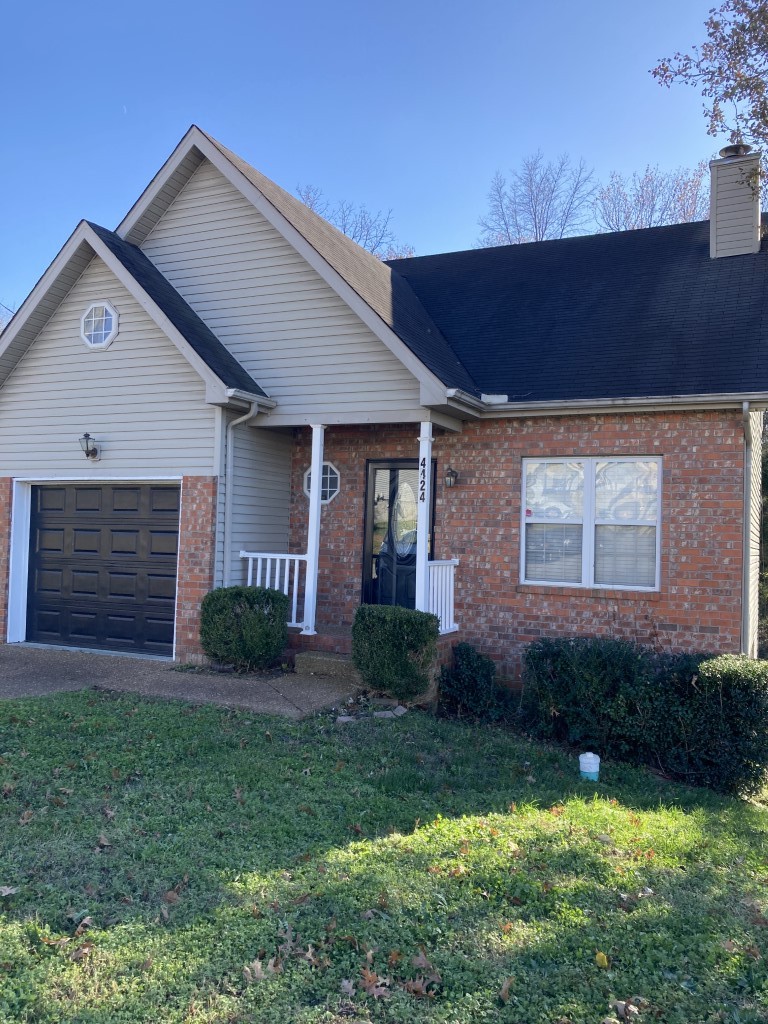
[(591, 522), (98, 325), (329, 482)]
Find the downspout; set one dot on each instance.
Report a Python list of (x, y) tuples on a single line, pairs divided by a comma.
[(746, 589), (229, 472)]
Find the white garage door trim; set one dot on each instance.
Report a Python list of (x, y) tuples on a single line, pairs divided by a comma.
[(18, 564)]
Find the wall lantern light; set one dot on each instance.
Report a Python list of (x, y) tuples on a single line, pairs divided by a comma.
[(451, 477), (89, 446)]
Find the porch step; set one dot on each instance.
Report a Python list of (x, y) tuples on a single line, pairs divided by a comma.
[(320, 664)]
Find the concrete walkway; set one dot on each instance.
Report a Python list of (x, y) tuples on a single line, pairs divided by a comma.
[(27, 671)]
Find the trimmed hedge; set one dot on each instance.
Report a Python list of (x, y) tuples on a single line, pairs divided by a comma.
[(698, 718), (244, 626), (469, 686), (394, 649)]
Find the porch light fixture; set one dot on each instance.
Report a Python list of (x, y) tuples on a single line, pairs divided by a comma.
[(90, 449), (451, 477)]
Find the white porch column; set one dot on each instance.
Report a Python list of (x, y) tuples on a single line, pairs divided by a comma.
[(424, 506), (313, 529)]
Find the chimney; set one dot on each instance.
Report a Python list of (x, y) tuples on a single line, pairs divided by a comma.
[(734, 202)]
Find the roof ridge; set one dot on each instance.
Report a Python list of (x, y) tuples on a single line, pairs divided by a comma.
[(378, 284)]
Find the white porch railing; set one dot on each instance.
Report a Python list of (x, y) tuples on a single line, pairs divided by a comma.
[(441, 589), (281, 572)]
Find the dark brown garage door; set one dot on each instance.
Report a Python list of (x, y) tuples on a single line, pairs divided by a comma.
[(102, 566)]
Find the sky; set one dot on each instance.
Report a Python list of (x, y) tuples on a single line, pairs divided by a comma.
[(411, 105)]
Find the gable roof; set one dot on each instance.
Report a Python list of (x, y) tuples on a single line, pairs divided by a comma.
[(199, 336), (386, 294), (221, 371), (632, 314)]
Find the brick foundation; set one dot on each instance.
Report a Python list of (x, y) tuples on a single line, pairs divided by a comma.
[(478, 521), (197, 543)]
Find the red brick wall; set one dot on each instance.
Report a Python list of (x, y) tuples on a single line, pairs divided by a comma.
[(6, 502), (197, 542), (478, 521)]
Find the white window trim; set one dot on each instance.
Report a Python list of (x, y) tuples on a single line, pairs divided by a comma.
[(323, 501), (589, 522), (110, 337)]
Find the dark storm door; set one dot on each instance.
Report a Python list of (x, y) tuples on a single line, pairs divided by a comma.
[(102, 566), (389, 550)]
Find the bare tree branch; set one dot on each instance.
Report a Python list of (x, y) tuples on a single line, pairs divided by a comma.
[(373, 231), (652, 198), (730, 70), (542, 199)]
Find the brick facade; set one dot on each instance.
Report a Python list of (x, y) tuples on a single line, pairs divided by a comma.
[(197, 545), (478, 521)]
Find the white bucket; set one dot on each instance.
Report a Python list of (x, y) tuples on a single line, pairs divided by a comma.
[(589, 766)]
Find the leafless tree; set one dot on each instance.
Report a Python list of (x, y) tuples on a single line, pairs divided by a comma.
[(542, 199), (652, 198), (373, 231)]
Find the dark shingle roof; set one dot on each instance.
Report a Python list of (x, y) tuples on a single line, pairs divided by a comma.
[(633, 314), (199, 336), (385, 292)]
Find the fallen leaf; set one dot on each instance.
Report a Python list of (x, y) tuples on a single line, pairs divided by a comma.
[(368, 915), (419, 987), (275, 965), (506, 928), (729, 945), (348, 987), (357, 829), (81, 952), (26, 817), (394, 957), (85, 923), (253, 972), (8, 890), (504, 992), (103, 843), (601, 959), (171, 896)]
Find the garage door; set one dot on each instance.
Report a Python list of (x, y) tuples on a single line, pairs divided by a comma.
[(102, 566)]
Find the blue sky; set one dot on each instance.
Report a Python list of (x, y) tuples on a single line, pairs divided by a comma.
[(411, 105)]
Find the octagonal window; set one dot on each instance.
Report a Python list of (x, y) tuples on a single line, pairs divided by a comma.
[(329, 483), (98, 326)]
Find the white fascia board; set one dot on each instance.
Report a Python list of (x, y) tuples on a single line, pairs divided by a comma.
[(42, 287), (148, 196), (196, 139), (670, 403)]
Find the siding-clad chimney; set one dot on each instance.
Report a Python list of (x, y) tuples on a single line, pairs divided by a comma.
[(734, 203)]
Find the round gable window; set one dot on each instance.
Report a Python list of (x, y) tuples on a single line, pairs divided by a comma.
[(98, 326), (329, 484)]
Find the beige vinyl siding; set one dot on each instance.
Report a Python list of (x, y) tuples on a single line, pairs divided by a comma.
[(755, 519), (139, 398), (261, 495), (278, 317), (735, 209)]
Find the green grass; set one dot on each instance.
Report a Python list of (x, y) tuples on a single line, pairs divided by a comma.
[(183, 844)]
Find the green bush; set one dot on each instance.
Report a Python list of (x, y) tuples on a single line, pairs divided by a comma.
[(469, 685), (394, 649), (244, 626), (699, 718)]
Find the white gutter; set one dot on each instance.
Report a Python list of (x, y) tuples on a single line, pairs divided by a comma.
[(746, 574), (228, 478), (247, 396), (492, 409)]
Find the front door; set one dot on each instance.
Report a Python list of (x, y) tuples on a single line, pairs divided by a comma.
[(389, 558)]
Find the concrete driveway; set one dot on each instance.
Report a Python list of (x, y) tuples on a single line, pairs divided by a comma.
[(30, 671)]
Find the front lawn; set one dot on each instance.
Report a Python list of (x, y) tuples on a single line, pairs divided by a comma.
[(166, 863)]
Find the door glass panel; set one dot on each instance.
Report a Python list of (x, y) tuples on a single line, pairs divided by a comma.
[(403, 522)]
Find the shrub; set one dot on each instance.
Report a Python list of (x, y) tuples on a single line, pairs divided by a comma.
[(699, 718), (244, 626), (394, 649), (470, 686)]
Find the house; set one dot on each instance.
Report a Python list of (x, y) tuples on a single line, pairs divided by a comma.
[(552, 438)]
